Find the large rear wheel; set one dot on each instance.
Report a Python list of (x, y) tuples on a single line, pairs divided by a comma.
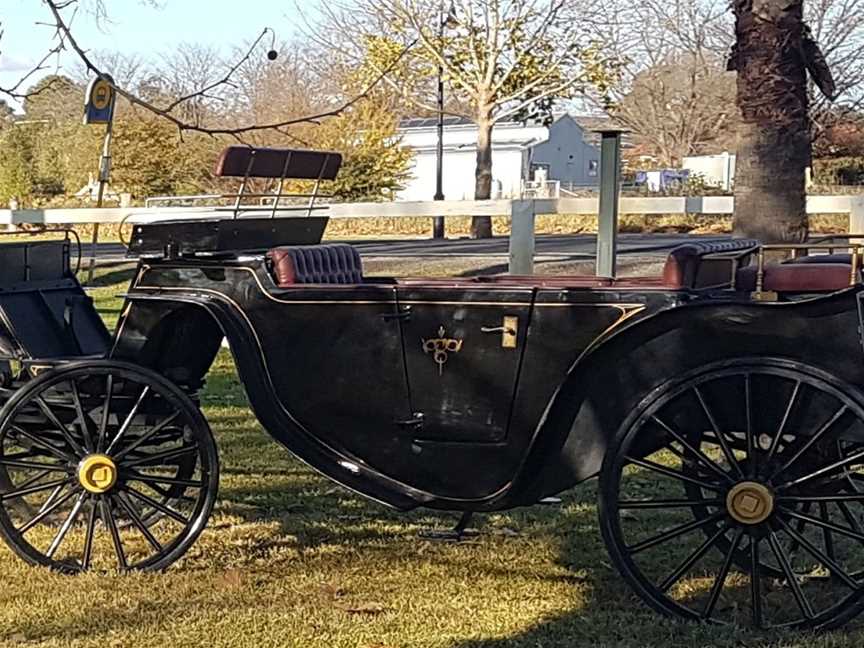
[(109, 466), (733, 494)]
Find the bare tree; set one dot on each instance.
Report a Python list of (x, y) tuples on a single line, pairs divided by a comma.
[(673, 92), (502, 60), (61, 14)]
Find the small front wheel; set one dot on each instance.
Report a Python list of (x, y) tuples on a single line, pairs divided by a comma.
[(109, 466), (735, 493)]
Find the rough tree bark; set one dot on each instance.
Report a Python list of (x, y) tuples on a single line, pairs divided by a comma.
[(481, 226), (774, 133)]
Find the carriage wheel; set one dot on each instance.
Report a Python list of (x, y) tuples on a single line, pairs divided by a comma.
[(734, 494), (110, 466)]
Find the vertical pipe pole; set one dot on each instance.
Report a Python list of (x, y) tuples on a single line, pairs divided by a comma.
[(104, 178), (522, 217), (610, 182), (438, 221)]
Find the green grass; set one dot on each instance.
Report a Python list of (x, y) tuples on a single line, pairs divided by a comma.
[(291, 560)]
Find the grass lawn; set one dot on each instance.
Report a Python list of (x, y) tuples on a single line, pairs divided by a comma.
[(291, 560)]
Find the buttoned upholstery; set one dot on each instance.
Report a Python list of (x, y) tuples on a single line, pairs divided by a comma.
[(316, 264), (687, 267)]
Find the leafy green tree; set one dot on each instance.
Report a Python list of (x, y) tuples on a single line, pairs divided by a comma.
[(375, 164), (16, 165)]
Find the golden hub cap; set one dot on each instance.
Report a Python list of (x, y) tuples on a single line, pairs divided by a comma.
[(750, 502), (97, 473)]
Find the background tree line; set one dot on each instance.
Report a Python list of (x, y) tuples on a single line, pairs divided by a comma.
[(49, 155)]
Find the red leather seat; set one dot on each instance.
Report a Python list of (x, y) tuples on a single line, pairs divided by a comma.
[(316, 264), (797, 277)]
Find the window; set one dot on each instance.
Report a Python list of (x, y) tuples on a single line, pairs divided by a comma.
[(593, 167)]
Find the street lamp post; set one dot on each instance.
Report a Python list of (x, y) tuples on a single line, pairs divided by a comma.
[(438, 224)]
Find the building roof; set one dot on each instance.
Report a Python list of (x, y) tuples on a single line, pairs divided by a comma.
[(586, 122)]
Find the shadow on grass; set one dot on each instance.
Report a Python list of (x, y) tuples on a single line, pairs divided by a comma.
[(262, 483), (120, 274)]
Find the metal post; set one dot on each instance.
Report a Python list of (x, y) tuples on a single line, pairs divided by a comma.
[(104, 178), (522, 216), (438, 221), (610, 182)]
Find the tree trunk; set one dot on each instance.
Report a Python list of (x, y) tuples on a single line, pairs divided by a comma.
[(481, 226), (774, 134)]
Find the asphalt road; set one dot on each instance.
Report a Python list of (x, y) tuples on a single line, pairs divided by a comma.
[(548, 247)]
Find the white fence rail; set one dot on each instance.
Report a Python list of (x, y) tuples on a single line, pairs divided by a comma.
[(522, 213)]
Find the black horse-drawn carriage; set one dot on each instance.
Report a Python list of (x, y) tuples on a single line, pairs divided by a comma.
[(720, 404)]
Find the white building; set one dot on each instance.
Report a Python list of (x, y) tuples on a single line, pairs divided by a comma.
[(717, 170), (520, 153)]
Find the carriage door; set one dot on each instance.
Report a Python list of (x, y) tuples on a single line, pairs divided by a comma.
[(463, 347)]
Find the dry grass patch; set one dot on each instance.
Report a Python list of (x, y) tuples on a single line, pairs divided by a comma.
[(291, 560)]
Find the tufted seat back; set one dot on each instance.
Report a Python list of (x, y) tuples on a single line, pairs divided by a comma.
[(316, 264), (687, 267)]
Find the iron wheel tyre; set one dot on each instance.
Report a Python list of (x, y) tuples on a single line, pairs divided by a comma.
[(119, 464), (766, 433)]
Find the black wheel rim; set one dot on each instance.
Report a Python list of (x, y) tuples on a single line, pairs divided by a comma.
[(734, 494), (107, 466)]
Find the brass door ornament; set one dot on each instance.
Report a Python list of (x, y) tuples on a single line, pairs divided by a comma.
[(439, 348)]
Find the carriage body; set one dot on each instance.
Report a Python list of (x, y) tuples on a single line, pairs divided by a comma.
[(458, 394), (739, 383)]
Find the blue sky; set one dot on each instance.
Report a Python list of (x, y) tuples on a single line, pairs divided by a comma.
[(136, 27)]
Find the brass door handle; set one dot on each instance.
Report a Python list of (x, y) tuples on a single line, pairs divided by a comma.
[(508, 330), (497, 329)]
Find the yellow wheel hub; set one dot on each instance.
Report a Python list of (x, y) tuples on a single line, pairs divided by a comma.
[(97, 473), (750, 502)]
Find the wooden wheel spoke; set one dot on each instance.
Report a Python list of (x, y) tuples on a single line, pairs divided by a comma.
[(45, 512), (692, 559), (674, 474), (52, 449), (755, 584), (849, 533), (667, 503), (720, 580), (133, 475), (810, 442), (674, 533), (699, 455), (111, 525), (106, 412), (823, 471), (61, 427), (33, 465), (749, 438), (162, 508), (814, 551), (127, 423), (89, 533), (848, 515), (36, 488), (138, 522), (67, 524), (82, 419), (147, 436), (721, 438), (775, 442), (783, 559), (795, 499), (161, 456)]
